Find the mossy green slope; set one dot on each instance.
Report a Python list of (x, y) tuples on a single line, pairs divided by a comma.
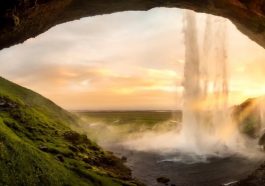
[(37, 146), (248, 116)]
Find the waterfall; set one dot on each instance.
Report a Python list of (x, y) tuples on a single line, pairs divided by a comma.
[(207, 128), (191, 121), (205, 85)]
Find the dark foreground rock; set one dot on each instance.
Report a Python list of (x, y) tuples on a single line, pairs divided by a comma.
[(24, 19), (257, 178), (163, 179)]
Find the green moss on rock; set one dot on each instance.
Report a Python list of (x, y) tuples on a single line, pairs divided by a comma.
[(38, 147)]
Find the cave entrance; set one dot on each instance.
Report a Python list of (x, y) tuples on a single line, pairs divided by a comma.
[(127, 61)]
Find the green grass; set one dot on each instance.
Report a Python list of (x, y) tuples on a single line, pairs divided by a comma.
[(38, 147), (108, 127), (147, 118), (248, 117)]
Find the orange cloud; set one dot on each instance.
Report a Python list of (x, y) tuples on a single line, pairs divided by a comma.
[(107, 62)]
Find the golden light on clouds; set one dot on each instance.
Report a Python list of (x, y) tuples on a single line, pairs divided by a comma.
[(128, 60)]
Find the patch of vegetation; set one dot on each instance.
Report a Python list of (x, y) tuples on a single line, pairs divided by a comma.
[(38, 147), (147, 118), (248, 117), (250, 125)]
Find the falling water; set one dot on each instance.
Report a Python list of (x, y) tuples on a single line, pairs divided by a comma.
[(206, 121), (207, 128), (191, 125)]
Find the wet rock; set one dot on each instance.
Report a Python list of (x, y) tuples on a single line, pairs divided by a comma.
[(109, 152), (94, 147), (68, 154), (30, 129), (48, 150), (262, 140), (60, 158), (43, 148), (81, 149), (2, 103), (124, 159), (6, 104), (109, 161), (88, 167), (76, 138), (89, 161), (71, 136), (163, 179), (73, 148)]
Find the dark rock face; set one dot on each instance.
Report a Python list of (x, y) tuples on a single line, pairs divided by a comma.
[(6, 104), (249, 118), (164, 180), (257, 178), (23, 19), (247, 115)]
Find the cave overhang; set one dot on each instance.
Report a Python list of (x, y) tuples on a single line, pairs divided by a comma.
[(24, 19)]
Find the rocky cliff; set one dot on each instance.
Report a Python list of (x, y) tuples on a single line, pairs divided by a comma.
[(23, 19)]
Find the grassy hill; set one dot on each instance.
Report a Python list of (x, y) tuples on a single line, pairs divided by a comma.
[(37, 146)]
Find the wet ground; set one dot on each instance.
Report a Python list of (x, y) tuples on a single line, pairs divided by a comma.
[(182, 170)]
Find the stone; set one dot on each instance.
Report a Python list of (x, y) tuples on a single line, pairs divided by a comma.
[(60, 158), (124, 159), (163, 179), (43, 148), (30, 21)]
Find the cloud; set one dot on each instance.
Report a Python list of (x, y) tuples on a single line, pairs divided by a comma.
[(121, 60), (91, 86)]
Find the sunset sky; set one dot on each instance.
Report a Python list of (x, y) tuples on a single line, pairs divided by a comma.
[(127, 60)]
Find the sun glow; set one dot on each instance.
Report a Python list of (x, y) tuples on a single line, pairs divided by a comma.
[(92, 60)]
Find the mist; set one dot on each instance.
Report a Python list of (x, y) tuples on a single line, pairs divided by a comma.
[(166, 140), (206, 128)]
